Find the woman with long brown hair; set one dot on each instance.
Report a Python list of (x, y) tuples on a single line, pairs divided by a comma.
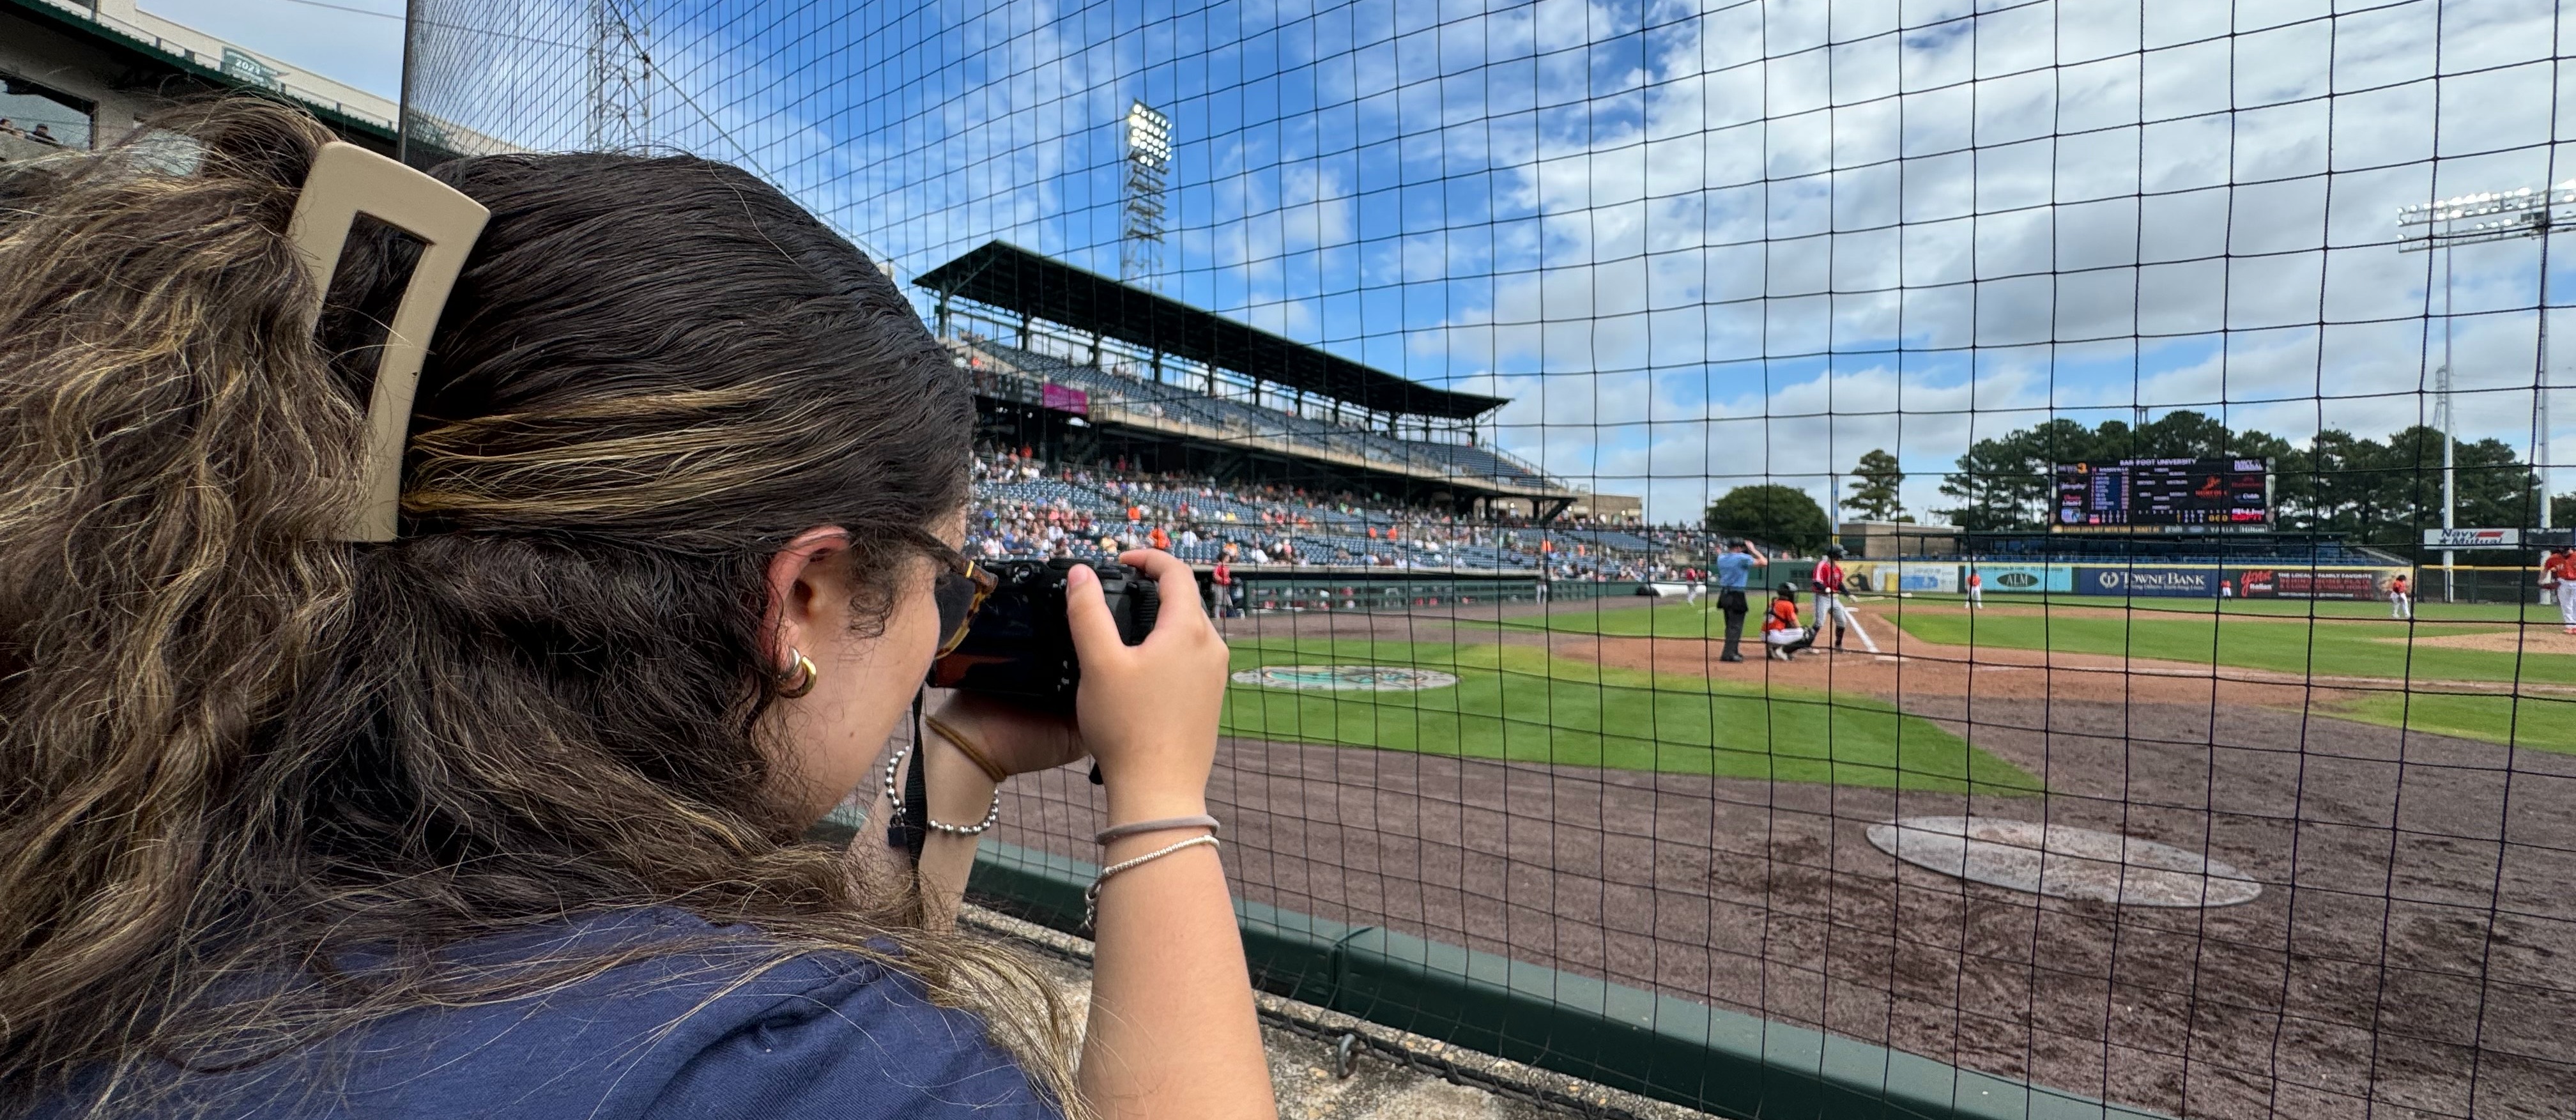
[(503, 816)]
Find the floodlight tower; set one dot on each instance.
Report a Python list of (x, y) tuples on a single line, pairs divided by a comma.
[(1148, 162), (615, 57), (2471, 219)]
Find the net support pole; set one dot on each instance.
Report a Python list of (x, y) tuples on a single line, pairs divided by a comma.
[(402, 107)]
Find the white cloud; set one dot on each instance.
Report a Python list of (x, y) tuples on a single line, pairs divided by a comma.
[(1702, 247), (2174, 193)]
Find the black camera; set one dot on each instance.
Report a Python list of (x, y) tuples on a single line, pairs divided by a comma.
[(1019, 644)]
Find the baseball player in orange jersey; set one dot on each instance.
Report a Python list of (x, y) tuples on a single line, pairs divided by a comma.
[(2558, 571), (1828, 585)]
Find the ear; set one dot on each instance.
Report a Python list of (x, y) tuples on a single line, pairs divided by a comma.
[(799, 588)]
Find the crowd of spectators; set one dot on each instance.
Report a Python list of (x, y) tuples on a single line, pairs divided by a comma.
[(42, 133), (1027, 507)]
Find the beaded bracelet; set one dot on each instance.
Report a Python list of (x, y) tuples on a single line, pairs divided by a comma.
[(1091, 895), (894, 794)]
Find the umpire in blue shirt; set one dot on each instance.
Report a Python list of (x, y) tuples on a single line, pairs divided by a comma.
[(1733, 569)]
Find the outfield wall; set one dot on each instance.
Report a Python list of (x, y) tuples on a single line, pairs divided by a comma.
[(2130, 581)]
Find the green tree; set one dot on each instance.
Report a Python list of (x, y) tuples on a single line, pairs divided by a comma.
[(1781, 515), (2008, 481), (1873, 487), (2495, 489)]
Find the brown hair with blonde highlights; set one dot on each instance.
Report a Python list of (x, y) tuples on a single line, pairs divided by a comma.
[(229, 744)]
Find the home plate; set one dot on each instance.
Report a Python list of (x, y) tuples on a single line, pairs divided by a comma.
[(2063, 862), (1883, 657)]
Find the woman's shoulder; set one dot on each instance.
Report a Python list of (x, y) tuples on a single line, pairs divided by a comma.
[(722, 1028)]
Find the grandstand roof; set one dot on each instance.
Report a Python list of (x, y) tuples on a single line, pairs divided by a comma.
[(1014, 279)]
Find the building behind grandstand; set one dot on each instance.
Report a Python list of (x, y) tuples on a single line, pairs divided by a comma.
[(90, 70)]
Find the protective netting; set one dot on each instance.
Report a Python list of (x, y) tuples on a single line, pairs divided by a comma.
[(2192, 821)]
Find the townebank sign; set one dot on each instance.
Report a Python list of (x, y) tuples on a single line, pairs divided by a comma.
[(2149, 582)]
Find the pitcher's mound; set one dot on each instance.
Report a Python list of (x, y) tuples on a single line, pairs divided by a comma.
[(2533, 639), (2063, 861)]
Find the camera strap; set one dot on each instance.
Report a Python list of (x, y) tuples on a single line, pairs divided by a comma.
[(909, 829)]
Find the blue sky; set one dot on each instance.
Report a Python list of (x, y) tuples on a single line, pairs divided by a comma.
[(1698, 245)]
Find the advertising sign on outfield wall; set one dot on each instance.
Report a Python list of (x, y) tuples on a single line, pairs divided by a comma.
[(1891, 578), (2456, 539), (2169, 583), (2272, 583), (2056, 578)]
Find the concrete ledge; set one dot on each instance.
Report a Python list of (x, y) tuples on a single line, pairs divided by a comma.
[(1502, 1077), (1606, 1037)]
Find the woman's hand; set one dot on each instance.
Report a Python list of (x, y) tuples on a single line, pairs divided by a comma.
[(1018, 739), (1172, 1030), (1149, 712)]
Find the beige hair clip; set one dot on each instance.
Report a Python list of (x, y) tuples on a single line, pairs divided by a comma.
[(347, 181)]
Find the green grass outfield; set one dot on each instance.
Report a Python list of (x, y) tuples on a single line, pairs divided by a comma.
[(2345, 647), (1673, 618), (2324, 638), (1520, 704), (2340, 639)]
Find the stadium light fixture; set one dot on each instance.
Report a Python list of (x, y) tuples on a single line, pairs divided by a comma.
[(1149, 132), (2485, 216)]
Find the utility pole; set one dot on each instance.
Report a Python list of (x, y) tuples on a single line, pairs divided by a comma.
[(2442, 417), (410, 67)]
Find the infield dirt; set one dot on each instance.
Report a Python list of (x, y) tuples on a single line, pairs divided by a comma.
[(2532, 639)]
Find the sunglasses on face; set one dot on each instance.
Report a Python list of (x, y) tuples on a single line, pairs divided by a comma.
[(959, 592)]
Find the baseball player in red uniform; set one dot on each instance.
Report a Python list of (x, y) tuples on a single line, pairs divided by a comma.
[(1828, 584), (2559, 571)]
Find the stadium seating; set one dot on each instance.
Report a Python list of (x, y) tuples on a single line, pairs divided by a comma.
[(1181, 404), (1026, 507)]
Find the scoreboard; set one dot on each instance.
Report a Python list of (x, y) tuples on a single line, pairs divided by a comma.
[(2163, 495)]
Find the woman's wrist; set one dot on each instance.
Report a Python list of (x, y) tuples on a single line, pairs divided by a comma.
[(960, 791), (960, 732), (1147, 803)]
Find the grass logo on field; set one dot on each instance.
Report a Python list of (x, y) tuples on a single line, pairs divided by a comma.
[(1345, 678)]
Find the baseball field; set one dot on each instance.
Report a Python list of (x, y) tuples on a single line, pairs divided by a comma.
[(1589, 787), (1522, 704), (2485, 671)]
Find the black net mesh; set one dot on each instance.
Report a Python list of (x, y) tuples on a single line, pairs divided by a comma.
[(2160, 759)]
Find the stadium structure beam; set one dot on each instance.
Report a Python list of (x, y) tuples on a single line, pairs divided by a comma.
[(1001, 275)]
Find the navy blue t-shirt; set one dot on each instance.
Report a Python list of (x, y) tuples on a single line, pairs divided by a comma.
[(689, 1035)]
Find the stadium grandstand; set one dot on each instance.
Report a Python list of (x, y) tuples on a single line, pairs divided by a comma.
[(1117, 417)]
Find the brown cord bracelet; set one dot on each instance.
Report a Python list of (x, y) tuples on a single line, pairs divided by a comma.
[(968, 747)]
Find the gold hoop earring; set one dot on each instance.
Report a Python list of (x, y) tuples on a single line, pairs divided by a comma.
[(805, 676)]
